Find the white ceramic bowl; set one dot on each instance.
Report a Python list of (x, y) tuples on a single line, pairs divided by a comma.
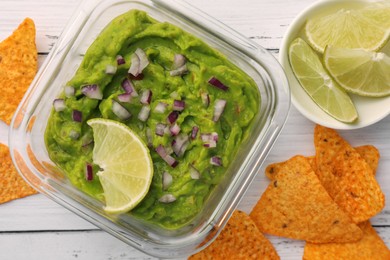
[(370, 110)]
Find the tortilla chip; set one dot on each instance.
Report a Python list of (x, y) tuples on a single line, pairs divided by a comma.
[(346, 176), (12, 185), (296, 205), (18, 66), (371, 246), (240, 239), (368, 152)]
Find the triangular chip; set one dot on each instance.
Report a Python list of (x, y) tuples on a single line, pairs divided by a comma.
[(240, 239), (296, 205), (12, 185), (368, 152), (18, 66), (371, 246), (346, 176)]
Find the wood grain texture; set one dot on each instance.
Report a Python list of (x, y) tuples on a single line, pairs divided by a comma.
[(37, 228)]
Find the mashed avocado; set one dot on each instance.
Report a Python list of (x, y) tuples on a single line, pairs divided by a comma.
[(208, 144)]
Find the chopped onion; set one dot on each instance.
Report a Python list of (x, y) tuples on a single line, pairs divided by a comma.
[(194, 132), (215, 160), (166, 180), (120, 60), (134, 67), (160, 129), (144, 113), (178, 105), (218, 84), (219, 106), (149, 136), (74, 134), (195, 174), (167, 198), (205, 99), (210, 144), (146, 97), (110, 69), (77, 115), (124, 97), (129, 87), (209, 140), (88, 172), (161, 151), (92, 91), (179, 71), (178, 61), (120, 111), (69, 91), (166, 157), (174, 129), (160, 107), (59, 105), (143, 59), (172, 117), (180, 144)]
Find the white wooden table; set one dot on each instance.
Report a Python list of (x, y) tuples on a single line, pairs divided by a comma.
[(37, 228)]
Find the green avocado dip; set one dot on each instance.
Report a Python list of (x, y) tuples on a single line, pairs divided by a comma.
[(190, 105)]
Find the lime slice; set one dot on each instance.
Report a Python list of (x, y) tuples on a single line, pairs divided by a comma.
[(353, 28), (315, 80), (379, 13), (358, 71), (126, 166)]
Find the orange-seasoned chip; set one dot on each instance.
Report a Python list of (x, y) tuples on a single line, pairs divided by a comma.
[(18, 66), (371, 246), (368, 152), (12, 185), (296, 205), (240, 239), (346, 176)]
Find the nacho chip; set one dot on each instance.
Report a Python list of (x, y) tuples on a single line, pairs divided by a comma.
[(240, 239), (12, 185), (296, 205), (18, 66), (368, 152), (346, 176), (371, 246)]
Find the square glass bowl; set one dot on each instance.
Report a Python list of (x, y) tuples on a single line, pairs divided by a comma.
[(30, 156)]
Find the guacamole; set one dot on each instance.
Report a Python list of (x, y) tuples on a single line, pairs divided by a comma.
[(188, 102)]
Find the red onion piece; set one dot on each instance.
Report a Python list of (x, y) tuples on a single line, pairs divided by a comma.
[(92, 91), (210, 144), (74, 134), (216, 161), (160, 129), (167, 198), (120, 111), (179, 71), (77, 116), (166, 180), (134, 67), (174, 129), (124, 97), (120, 60), (172, 117), (59, 105), (69, 91), (205, 99), (144, 113), (160, 107), (195, 174), (194, 132), (180, 144), (166, 157), (218, 84), (88, 172), (146, 97), (178, 105), (143, 59), (129, 87), (178, 61), (110, 69), (219, 106), (161, 151)]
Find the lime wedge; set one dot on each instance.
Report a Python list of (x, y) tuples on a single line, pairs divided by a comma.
[(318, 84), (126, 166), (358, 71), (355, 28)]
